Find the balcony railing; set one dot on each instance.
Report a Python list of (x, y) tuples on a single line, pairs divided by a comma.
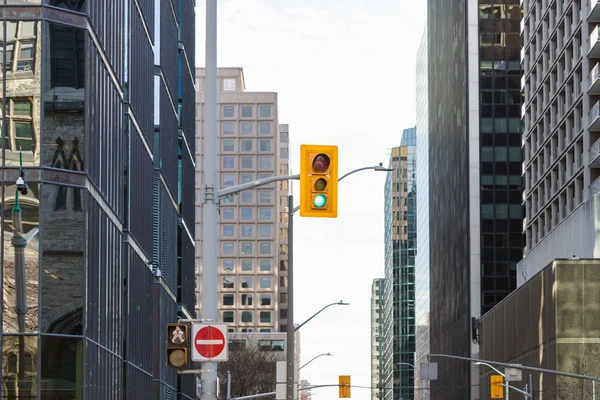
[(593, 117), (594, 15), (594, 44), (595, 155), (595, 187)]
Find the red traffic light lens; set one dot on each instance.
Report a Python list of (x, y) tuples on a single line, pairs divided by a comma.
[(321, 163), (320, 184)]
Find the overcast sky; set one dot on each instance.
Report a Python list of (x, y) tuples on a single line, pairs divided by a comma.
[(345, 74)]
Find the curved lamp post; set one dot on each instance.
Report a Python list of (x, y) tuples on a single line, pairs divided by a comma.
[(314, 358), (337, 303), (498, 372)]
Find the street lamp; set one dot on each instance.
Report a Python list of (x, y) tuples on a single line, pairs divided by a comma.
[(499, 373), (337, 303), (314, 358)]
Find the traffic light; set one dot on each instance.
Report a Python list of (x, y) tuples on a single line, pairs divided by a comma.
[(496, 391), (178, 345), (318, 181), (344, 382)]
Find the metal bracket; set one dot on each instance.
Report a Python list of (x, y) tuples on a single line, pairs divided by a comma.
[(208, 194)]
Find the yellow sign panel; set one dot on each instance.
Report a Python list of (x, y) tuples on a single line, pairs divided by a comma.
[(318, 181), (496, 391), (344, 386)]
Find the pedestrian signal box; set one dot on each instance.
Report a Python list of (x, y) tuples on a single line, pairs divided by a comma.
[(178, 345)]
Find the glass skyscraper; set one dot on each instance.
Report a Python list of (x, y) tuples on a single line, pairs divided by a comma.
[(400, 237), (97, 193)]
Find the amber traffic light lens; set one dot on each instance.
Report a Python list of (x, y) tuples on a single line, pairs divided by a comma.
[(320, 184), (177, 358), (320, 163)]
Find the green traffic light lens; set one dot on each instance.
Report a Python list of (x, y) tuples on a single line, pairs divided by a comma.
[(320, 200), (320, 184)]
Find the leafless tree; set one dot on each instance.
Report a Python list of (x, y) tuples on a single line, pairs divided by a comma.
[(252, 370), (586, 363)]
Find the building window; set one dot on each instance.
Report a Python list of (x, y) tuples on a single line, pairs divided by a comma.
[(228, 128), (270, 345), (227, 230), (265, 162), (227, 282), (247, 316), (246, 128), (265, 197), (19, 135), (265, 248), (266, 330), (246, 299), (246, 145), (246, 197), (284, 152), (265, 282), (264, 214), (264, 111), (265, 318), (265, 265), (228, 112), (228, 179), (228, 162), (246, 162), (227, 145), (246, 248), (246, 213), (246, 265), (284, 137), (19, 47), (264, 231), (246, 282), (227, 265), (227, 316), (228, 213), (247, 231), (237, 344), (264, 128), (265, 299), (246, 177), (264, 145), (228, 85), (228, 299), (246, 110), (228, 248)]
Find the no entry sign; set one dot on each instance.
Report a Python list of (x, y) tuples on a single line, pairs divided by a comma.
[(209, 342)]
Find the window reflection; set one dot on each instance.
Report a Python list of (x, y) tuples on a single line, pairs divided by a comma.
[(19, 367), (21, 73), (21, 259), (62, 260), (62, 367), (73, 5), (64, 95)]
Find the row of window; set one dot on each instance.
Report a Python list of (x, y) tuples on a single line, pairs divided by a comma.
[(247, 264), (247, 231), (247, 299), (247, 111), (246, 214), (263, 345), (249, 197), (246, 146), (246, 248), (245, 163), (247, 282), (246, 317)]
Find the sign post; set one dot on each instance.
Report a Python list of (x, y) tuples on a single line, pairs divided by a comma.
[(209, 342)]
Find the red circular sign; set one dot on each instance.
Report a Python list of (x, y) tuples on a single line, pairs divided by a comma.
[(209, 342)]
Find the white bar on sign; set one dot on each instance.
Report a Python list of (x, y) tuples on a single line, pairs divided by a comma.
[(209, 342)]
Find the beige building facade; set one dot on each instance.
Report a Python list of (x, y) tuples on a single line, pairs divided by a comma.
[(252, 232)]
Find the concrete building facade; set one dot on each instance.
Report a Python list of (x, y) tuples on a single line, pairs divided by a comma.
[(376, 336), (561, 139), (253, 248), (81, 85)]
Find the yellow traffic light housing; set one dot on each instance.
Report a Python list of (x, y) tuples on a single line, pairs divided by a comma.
[(344, 383), (496, 391), (318, 181), (178, 345)]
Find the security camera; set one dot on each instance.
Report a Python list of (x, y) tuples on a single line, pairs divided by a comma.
[(22, 186), (158, 273)]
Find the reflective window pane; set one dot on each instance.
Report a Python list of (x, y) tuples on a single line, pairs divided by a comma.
[(62, 368)]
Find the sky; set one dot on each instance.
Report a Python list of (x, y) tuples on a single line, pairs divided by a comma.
[(344, 71)]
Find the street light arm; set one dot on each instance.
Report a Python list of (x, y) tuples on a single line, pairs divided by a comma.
[(340, 303), (314, 358), (375, 168), (490, 366), (228, 191), (409, 364)]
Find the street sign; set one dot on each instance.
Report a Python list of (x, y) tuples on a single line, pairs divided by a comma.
[(496, 391), (513, 374), (209, 342), (428, 371)]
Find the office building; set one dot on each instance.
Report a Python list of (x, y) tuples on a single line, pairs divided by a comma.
[(422, 258), (561, 139), (97, 108), (475, 190), (253, 248), (376, 335), (400, 213)]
